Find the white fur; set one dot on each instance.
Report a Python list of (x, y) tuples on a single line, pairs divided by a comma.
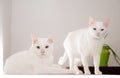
[(33, 61), (81, 44)]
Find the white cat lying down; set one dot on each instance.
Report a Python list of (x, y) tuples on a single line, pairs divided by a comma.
[(37, 60)]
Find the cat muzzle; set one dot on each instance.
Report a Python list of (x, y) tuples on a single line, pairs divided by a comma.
[(98, 34), (42, 52)]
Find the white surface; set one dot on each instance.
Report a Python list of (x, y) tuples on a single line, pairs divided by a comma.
[(58, 17), (60, 76)]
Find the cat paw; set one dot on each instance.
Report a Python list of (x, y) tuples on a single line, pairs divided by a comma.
[(98, 72), (78, 72), (60, 62), (56, 66), (87, 73)]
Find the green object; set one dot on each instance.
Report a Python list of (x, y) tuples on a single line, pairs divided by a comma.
[(105, 55)]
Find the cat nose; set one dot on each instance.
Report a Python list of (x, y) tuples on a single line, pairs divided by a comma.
[(42, 51), (98, 34)]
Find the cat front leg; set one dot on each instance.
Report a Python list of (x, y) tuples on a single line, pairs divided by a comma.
[(85, 64), (96, 61)]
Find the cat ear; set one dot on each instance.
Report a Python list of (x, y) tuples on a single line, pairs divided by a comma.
[(106, 22), (34, 39), (51, 39), (91, 21)]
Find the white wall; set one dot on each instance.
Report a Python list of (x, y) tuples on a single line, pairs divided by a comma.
[(58, 17), (1, 37), (6, 23)]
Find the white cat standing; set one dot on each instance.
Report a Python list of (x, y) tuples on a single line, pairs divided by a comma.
[(81, 44), (37, 60)]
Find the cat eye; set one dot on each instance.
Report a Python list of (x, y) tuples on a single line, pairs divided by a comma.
[(102, 29), (46, 46), (94, 29), (38, 47)]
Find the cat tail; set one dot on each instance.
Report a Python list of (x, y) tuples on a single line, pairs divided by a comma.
[(63, 59)]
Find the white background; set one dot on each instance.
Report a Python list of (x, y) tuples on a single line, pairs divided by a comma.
[(58, 18)]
